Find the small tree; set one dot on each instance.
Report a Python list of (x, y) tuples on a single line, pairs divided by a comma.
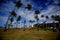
[(36, 15)]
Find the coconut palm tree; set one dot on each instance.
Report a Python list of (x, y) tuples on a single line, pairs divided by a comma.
[(29, 7), (43, 22), (18, 4), (30, 21), (54, 25), (11, 20), (46, 19), (36, 15), (24, 25), (11, 14), (37, 12), (18, 19), (53, 17), (57, 18)]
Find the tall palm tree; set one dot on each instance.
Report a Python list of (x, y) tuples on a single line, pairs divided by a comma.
[(29, 7), (11, 20), (46, 19), (53, 17), (24, 25), (43, 22), (18, 4), (57, 18), (11, 14), (36, 15), (18, 19)]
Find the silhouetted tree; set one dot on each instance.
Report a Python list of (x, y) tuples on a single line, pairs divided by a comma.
[(52, 16), (18, 4), (54, 25), (11, 14), (46, 19), (57, 18), (31, 21), (36, 15), (24, 25), (29, 7), (11, 20), (43, 22), (18, 19)]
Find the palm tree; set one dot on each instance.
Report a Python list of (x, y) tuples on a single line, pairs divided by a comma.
[(18, 19), (43, 22), (18, 4), (31, 21), (46, 19), (29, 7), (57, 18), (42, 16), (11, 20), (36, 15), (24, 25), (53, 17), (11, 14)]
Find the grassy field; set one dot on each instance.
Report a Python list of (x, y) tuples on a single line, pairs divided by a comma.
[(19, 34)]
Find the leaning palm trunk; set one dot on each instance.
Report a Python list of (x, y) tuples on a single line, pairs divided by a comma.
[(16, 24), (37, 25), (7, 23), (24, 27)]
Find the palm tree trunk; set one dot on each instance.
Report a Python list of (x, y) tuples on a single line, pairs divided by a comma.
[(16, 24), (7, 23), (9, 26), (24, 27)]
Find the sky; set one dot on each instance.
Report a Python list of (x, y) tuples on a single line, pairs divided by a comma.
[(46, 8)]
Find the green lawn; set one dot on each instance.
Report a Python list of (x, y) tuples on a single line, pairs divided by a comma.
[(19, 34)]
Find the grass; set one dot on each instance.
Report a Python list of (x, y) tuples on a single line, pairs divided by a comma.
[(19, 34)]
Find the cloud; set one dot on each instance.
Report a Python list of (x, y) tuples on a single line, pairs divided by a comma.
[(56, 1), (51, 9), (7, 7), (3, 20)]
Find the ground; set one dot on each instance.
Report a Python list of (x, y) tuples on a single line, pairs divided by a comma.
[(19, 34)]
